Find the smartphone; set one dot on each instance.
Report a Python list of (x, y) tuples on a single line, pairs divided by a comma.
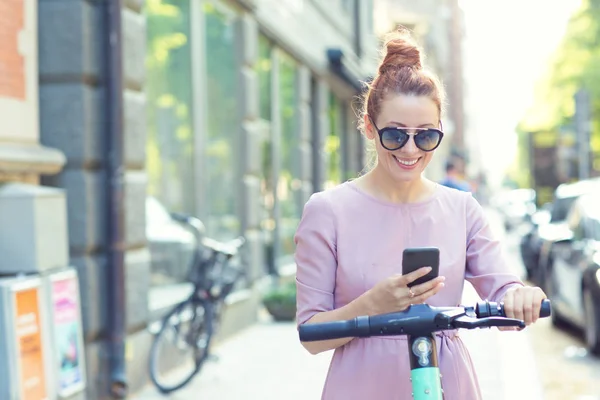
[(417, 257)]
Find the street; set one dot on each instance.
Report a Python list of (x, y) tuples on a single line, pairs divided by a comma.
[(565, 368), (267, 362)]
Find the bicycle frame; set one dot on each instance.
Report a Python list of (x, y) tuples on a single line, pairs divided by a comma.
[(213, 279)]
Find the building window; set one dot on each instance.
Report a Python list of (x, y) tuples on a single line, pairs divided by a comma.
[(221, 150), (268, 219), (170, 144), (265, 75), (289, 183), (333, 143)]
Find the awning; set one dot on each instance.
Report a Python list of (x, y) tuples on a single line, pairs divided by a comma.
[(345, 69)]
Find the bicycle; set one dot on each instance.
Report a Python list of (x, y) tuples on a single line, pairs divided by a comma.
[(190, 326), (419, 322)]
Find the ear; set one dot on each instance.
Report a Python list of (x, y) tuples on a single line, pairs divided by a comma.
[(369, 128)]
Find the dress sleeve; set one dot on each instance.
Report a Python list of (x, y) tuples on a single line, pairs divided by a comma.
[(487, 267), (316, 259)]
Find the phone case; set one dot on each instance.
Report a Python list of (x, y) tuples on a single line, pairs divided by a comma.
[(415, 258)]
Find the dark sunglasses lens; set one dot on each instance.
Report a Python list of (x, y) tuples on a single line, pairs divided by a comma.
[(393, 139), (428, 140)]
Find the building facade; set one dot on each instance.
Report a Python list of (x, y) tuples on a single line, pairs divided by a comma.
[(235, 111)]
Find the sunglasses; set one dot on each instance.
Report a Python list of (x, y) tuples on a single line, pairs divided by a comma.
[(393, 137)]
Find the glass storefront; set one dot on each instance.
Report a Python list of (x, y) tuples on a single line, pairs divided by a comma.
[(222, 150), (170, 142), (202, 175), (333, 143), (268, 219), (289, 183)]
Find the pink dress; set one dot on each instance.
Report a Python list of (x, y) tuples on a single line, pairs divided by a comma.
[(348, 240)]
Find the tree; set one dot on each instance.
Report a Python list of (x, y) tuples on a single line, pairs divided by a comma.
[(574, 65)]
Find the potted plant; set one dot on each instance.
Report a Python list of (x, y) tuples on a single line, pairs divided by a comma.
[(280, 302)]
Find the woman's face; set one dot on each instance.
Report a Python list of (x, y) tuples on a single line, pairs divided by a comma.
[(405, 111)]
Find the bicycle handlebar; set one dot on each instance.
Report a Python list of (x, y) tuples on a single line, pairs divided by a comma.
[(190, 221), (230, 248), (418, 319)]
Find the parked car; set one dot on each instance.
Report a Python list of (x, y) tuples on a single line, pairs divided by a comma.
[(573, 277), (516, 206), (530, 243), (537, 244), (171, 245)]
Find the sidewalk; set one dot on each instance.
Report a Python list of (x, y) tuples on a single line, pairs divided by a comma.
[(267, 362)]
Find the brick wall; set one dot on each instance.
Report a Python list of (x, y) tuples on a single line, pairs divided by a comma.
[(12, 63)]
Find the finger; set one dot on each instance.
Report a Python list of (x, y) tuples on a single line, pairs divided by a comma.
[(518, 304), (413, 276), (420, 298), (538, 297), (528, 306), (426, 286), (508, 328), (509, 305)]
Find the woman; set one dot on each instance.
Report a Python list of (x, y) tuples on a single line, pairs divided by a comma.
[(350, 240)]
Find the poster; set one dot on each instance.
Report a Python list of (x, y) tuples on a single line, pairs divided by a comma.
[(69, 354), (29, 341)]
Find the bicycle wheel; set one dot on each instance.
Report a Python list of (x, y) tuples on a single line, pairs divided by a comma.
[(182, 344)]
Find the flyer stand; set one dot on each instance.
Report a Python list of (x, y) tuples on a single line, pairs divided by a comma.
[(66, 333), (24, 340)]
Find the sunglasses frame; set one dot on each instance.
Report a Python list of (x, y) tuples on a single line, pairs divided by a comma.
[(408, 135)]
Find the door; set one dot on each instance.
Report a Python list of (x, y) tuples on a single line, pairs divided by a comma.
[(570, 261)]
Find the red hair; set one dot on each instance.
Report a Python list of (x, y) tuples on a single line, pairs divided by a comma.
[(401, 72)]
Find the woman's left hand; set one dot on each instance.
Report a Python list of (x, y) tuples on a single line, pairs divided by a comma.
[(524, 303)]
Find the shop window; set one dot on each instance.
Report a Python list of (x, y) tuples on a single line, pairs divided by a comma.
[(289, 183), (268, 219), (333, 143), (170, 144), (222, 144), (169, 141)]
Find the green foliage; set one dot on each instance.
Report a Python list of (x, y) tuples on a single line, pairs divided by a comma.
[(574, 65), (283, 295), (332, 141)]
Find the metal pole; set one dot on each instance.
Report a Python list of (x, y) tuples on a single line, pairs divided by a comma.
[(582, 123), (115, 204)]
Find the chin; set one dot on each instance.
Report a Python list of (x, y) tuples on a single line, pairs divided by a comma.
[(407, 179), (407, 176)]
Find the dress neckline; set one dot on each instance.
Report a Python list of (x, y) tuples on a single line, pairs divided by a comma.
[(369, 196)]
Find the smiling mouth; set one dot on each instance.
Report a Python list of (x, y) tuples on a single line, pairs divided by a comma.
[(408, 163)]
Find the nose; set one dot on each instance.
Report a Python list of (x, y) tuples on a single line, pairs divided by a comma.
[(410, 147)]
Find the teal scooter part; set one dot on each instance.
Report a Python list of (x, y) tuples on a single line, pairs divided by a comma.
[(426, 383)]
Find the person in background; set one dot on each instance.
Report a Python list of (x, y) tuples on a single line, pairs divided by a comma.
[(453, 178)]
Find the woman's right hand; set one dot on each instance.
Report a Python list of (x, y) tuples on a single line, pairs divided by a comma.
[(393, 294)]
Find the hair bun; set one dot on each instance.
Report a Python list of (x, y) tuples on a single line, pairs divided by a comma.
[(401, 51)]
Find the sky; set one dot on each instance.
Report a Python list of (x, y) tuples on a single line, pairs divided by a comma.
[(506, 49)]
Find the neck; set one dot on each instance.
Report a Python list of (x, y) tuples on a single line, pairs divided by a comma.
[(386, 188)]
